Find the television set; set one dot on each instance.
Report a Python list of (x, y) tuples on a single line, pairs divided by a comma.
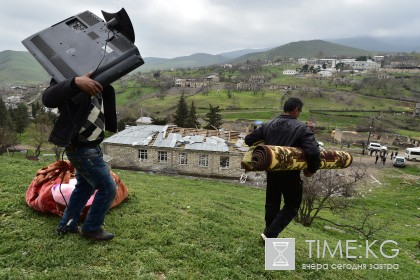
[(86, 43)]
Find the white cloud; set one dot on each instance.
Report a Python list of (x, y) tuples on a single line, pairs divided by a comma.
[(183, 27)]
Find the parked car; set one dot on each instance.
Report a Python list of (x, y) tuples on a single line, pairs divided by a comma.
[(376, 147), (399, 162)]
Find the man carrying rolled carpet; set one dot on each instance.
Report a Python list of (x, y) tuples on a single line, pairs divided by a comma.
[(285, 130)]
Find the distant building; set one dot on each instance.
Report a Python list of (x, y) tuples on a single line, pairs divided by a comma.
[(289, 72), (192, 83), (416, 111), (144, 120), (213, 78), (303, 61), (365, 65), (325, 73), (13, 101)]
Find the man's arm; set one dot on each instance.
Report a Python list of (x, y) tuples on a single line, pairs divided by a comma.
[(255, 136), (58, 93), (312, 154)]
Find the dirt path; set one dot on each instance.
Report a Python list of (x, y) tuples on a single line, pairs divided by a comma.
[(374, 170)]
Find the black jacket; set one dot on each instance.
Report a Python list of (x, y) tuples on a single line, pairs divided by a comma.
[(74, 108), (286, 130)]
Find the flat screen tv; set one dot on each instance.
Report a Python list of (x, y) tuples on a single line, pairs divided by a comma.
[(85, 43)]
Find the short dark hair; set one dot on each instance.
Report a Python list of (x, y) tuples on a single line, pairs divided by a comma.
[(291, 104)]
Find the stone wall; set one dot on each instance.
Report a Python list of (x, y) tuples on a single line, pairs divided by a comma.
[(127, 156)]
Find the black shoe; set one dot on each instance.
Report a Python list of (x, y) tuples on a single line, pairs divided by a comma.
[(75, 230), (99, 235), (65, 229)]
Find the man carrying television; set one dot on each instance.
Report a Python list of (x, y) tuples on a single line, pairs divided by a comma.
[(86, 109)]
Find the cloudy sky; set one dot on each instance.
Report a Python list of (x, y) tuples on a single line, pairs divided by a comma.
[(172, 28)]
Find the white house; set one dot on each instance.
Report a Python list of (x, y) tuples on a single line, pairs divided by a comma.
[(289, 72), (303, 61), (325, 73)]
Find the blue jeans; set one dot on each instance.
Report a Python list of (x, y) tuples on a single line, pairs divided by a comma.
[(91, 173)]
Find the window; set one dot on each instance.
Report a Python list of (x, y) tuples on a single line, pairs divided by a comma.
[(182, 158), (143, 155), (203, 160), (224, 162), (162, 156)]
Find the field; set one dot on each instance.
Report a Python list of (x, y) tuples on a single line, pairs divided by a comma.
[(195, 228)]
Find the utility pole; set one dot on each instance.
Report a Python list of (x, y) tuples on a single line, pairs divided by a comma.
[(370, 130)]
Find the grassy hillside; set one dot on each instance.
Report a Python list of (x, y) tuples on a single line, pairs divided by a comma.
[(190, 228), (19, 67), (308, 49), (195, 60)]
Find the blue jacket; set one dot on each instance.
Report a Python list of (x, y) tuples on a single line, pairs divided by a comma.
[(74, 108)]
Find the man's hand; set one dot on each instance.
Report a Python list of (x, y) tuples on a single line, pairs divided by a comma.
[(86, 84), (307, 173)]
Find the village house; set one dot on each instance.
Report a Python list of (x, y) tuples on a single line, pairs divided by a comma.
[(258, 78), (416, 111), (349, 62), (289, 72), (246, 86), (365, 65), (199, 152), (194, 83), (325, 73), (13, 101), (303, 61), (191, 83), (213, 78)]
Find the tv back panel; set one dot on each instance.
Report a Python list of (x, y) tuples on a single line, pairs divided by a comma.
[(81, 43)]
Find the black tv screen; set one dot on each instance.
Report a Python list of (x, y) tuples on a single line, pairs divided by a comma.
[(83, 43)]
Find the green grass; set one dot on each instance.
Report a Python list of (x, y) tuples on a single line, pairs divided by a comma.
[(240, 100), (189, 228)]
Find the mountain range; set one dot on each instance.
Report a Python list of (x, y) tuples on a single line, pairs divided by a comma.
[(382, 45), (19, 67)]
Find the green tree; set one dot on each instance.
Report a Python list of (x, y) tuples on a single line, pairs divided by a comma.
[(192, 120), (159, 121), (213, 118), (20, 118), (362, 58), (127, 121), (305, 68), (35, 109), (39, 131), (7, 134), (339, 66), (181, 113)]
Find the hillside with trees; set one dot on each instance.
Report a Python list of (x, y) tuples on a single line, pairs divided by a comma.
[(254, 90)]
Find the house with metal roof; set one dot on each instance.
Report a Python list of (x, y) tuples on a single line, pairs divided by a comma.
[(214, 153)]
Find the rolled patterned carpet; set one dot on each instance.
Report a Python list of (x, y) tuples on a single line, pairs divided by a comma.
[(272, 158)]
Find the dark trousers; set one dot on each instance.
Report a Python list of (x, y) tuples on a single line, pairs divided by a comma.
[(289, 186)]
